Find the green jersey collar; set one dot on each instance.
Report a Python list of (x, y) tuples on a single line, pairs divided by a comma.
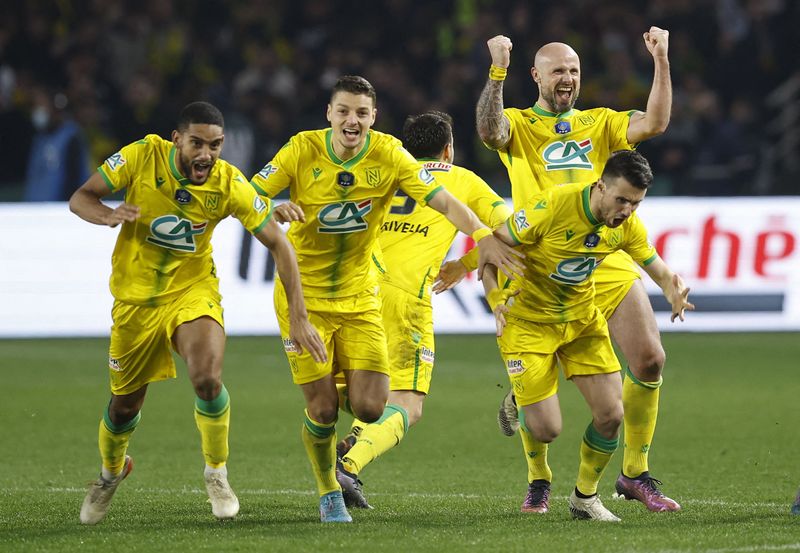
[(350, 162), (587, 192), (173, 166), (538, 110)]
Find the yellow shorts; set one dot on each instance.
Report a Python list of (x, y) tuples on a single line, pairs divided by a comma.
[(532, 351), (350, 328), (612, 281), (408, 321), (141, 337)]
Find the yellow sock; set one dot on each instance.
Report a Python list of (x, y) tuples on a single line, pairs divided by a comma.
[(113, 441), (213, 421), (596, 453), (377, 438), (536, 457), (344, 399), (640, 400), (320, 442)]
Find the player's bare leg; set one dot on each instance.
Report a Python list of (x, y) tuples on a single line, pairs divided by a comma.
[(633, 327)]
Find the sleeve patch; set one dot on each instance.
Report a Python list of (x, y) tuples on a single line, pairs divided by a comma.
[(116, 161)]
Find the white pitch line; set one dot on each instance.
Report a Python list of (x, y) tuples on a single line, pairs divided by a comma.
[(744, 549), (289, 491)]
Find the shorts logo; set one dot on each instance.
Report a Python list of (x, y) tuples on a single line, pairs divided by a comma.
[(426, 354), (344, 217), (520, 221), (288, 345), (113, 364), (168, 231), (569, 154), (116, 161), (267, 171), (515, 366), (574, 271)]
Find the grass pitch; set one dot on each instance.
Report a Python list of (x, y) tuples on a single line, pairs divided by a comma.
[(726, 448)]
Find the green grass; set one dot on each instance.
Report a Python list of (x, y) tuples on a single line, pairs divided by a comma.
[(726, 448)]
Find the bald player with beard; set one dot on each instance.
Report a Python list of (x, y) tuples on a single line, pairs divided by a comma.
[(550, 144)]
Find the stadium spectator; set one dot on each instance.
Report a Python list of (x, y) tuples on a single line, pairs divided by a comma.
[(340, 180), (166, 291), (551, 144), (551, 325)]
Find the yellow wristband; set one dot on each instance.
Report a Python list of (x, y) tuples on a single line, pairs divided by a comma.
[(496, 297), (481, 233), (497, 73)]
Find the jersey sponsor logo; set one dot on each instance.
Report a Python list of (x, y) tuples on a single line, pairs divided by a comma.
[(212, 201), (520, 220), (373, 176), (116, 161), (174, 233), (267, 171), (113, 364), (259, 205), (426, 354), (425, 176), (515, 366), (437, 166), (568, 154), (344, 217), (575, 270), (405, 228)]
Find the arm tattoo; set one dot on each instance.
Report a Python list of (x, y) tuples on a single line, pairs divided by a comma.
[(493, 127)]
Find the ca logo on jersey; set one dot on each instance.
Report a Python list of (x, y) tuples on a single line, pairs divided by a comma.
[(568, 155), (170, 231), (116, 161), (344, 217), (574, 271)]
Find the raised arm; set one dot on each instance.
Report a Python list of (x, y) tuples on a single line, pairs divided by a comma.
[(493, 127), (86, 203), (301, 331), (672, 286), (654, 121)]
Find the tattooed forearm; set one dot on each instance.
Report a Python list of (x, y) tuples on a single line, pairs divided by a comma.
[(493, 127)]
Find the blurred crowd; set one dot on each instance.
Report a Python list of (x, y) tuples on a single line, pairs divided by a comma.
[(80, 79)]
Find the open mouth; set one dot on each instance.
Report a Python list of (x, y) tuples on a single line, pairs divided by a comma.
[(200, 171), (563, 94), (351, 134)]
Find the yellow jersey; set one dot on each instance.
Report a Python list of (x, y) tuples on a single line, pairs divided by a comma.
[(547, 149), (563, 245), (414, 239), (345, 204), (168, 248)]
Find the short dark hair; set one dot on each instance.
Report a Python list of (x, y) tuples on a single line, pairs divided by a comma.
[(355, 85), (630, 165), (201, 113), (427, 134)]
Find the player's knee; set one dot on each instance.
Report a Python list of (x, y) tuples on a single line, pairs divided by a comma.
[(367, 409), (608, 420), (648, 364), (544, 431), (120, 414), (207, 387)]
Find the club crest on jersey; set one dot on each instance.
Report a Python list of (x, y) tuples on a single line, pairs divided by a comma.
[(591, 240), (116, 161), (267, 171), (568, 154), (373, 176), (574, 271), (183, 196), (174, 233), (345, 178), (212, 201), (344, 217), (563, 127)]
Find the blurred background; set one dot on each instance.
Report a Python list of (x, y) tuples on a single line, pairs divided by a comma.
[(80, 79)]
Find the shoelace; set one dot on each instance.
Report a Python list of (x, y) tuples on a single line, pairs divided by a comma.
[(539, 493), (650, 484)]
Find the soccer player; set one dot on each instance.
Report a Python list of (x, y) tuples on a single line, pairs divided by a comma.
[(341, 183), (165, 288), (566, 233), (413, 242), (552, 143)]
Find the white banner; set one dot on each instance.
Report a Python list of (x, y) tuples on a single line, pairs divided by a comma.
[(740, 256)]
